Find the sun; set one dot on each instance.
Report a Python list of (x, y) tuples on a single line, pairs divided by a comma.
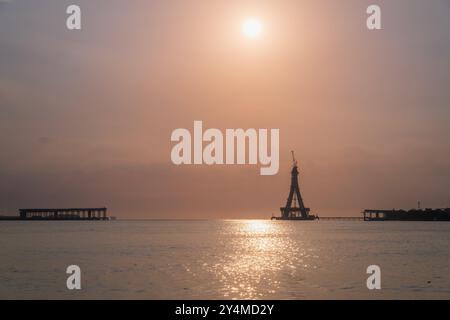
[(252, 28)]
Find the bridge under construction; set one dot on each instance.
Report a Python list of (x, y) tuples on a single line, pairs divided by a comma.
[(295, 208)]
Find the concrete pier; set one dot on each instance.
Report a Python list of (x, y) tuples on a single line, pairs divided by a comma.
[(63, 214), (407, 215)]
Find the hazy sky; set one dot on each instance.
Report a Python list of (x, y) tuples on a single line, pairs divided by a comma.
[(86, 116)]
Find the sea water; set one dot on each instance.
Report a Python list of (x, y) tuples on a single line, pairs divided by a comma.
[(224, 259)]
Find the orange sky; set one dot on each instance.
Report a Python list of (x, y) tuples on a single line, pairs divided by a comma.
[(86, 116)]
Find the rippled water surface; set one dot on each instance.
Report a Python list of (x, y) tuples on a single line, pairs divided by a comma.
[(231, 259)]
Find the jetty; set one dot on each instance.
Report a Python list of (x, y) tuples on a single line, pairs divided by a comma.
[(59, 214), (342, 218), (407, 215)]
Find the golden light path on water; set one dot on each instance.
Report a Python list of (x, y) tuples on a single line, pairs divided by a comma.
[(256, 259)]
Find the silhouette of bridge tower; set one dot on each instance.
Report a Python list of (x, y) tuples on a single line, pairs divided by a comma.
[(295, 208)]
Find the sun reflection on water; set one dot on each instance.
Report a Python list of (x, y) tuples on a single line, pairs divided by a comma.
[(256, 257)]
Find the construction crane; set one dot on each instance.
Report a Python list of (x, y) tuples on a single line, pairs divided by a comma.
[(294, 162)]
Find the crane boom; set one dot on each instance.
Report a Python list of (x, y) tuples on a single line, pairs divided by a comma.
[(294, 162)]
